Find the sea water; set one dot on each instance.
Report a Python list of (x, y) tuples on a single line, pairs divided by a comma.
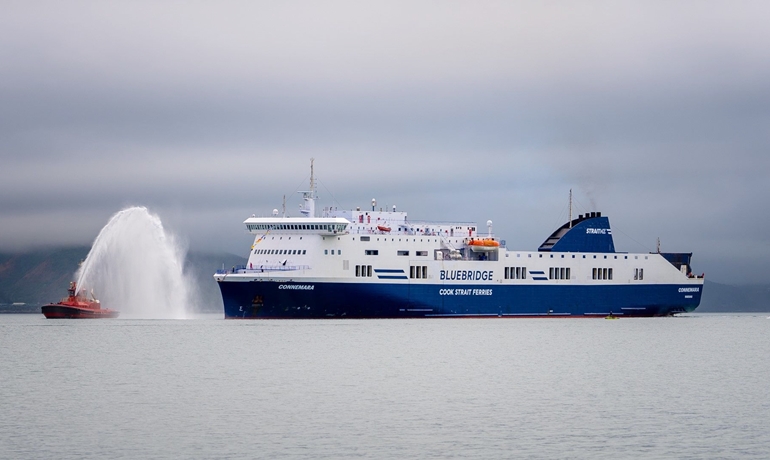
[(135, 266), (686, 387)]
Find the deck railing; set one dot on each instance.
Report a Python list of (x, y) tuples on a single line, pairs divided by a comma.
[(262, 269)]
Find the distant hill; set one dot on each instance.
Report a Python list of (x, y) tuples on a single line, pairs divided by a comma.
[(37, 277), (725, 298), (41, 276)]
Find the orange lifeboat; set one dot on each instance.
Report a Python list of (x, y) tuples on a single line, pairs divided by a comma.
[(383, 228), (483, 244)]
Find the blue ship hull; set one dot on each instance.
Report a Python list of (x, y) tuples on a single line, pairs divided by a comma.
[(270, 299)]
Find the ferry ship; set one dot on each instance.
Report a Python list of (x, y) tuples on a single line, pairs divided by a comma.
[(381, 264)]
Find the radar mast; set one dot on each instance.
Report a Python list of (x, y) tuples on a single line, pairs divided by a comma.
[(308, 210)]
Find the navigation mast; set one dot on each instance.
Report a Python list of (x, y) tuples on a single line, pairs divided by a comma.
[(308, 210)]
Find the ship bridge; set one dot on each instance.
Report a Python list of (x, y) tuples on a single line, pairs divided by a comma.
[(300, 225)]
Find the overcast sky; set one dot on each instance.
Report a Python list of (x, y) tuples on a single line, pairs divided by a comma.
[(655, 113)]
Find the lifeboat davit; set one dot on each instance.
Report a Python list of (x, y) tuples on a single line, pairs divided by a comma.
[(383, 228), (483, 244), (76, 305)]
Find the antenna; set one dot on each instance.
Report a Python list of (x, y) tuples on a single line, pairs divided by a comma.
[(570, 208), (658, 245), (312, 177), (284, 206), (308, 210)]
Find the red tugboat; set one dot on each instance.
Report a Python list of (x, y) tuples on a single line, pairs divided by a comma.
[(76, 305)]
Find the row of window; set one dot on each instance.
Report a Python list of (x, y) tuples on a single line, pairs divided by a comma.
[(418, 271), (540, 255), (368, 252), (515, 273), (602, 274), (326, 227), (376, 252), (364, 270), (366, 238), (292, 252), (563, 273)]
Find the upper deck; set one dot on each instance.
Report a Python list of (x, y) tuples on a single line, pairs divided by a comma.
[(340, 222)]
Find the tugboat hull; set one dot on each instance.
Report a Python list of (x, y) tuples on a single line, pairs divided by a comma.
[(57, 310)]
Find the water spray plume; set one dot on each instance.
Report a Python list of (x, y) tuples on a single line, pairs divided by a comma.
[(136, 267)]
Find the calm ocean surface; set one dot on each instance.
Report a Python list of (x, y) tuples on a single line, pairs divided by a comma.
[(688, 387)]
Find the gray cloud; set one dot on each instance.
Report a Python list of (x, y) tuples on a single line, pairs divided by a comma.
[(656, 113)]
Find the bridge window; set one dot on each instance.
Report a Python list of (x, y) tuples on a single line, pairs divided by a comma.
[(403, 253), (422, 253), (372, 252)]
